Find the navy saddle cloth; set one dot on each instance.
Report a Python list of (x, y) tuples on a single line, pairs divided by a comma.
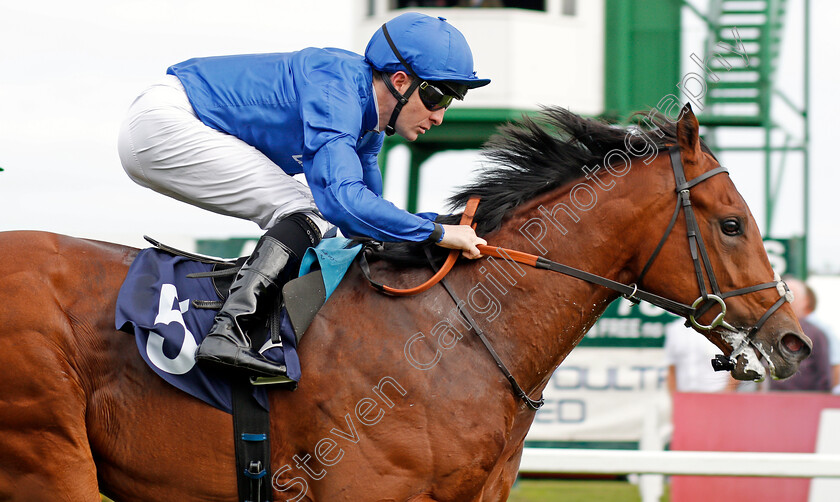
[(155, 303)]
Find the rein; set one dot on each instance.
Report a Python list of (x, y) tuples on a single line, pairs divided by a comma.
[(466, 219), (632, 292)]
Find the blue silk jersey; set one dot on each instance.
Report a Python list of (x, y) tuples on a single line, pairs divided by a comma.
[(312, 111)]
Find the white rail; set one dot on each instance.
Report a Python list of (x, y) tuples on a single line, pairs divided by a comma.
[(695, 463)]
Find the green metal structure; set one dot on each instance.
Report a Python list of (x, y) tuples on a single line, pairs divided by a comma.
[(642, 54), (742, 90)]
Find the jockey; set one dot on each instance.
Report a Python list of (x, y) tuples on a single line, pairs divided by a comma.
[(228, 133)]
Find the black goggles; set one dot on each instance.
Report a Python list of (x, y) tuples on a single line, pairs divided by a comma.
[(433, 97)]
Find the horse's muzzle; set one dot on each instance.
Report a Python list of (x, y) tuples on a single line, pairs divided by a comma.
[(793, 349), (754, 356)]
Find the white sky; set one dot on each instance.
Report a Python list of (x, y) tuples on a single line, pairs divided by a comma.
[(70, 69)]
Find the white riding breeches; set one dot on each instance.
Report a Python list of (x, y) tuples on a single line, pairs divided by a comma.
[(164, 146)]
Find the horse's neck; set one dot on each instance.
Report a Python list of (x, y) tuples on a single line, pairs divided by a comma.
[(545, 314)]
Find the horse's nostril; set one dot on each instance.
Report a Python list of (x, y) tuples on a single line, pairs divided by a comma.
[(793, 343)]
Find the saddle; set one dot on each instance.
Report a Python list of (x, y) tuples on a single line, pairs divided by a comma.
[(302, 297)]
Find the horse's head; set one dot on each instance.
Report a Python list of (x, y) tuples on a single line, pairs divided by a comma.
[(713, 259), (694, 250)]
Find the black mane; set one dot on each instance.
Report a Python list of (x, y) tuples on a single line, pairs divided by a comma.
[(536, 155)]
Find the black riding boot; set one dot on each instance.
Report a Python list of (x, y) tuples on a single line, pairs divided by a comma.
[(227, 343)]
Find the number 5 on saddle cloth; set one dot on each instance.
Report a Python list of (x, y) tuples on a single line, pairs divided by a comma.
[(169, 299)]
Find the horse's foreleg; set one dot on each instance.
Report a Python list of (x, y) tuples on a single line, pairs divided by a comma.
[(497, 488), (44, 453)]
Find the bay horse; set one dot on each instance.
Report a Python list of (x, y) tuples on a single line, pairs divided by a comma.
[(400, 401)]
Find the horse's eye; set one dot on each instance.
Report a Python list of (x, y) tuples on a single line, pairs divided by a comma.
[(731, 226)]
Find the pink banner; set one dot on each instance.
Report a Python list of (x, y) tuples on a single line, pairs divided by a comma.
[(765, 422)]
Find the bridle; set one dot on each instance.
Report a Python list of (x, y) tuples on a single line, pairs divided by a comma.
[(699, 257)]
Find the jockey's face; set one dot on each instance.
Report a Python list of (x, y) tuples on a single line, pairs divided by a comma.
[(414, 118)]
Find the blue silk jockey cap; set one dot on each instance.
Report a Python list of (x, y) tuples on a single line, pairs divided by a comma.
[(435, 49)]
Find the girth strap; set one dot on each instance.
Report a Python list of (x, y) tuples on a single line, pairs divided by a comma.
[(251, 443)]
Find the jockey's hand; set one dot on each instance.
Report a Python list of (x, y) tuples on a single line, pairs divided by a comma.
[(462, 237)]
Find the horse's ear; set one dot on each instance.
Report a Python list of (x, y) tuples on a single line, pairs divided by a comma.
[(688, 133)]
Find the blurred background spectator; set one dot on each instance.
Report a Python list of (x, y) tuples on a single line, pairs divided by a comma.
[(815, 372), (688, 355), (809, 311)]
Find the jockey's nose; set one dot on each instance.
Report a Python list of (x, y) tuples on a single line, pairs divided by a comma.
[(437, 116)]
